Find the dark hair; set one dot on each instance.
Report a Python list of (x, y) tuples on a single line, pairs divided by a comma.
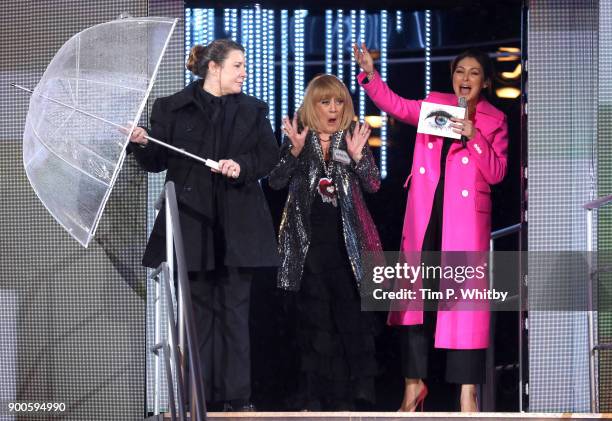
[(482, 59), (216, 51)]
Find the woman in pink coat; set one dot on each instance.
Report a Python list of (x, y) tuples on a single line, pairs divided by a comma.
[(448, 209)]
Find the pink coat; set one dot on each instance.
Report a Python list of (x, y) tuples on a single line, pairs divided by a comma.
[(467, 201)]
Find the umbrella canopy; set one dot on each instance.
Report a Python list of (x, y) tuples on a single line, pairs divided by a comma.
[(73, 147)]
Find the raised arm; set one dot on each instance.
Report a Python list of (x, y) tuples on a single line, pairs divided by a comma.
[(362, 160), (291, 148), (406, 110)]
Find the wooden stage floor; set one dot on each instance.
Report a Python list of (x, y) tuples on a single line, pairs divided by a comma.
[(391, 416)]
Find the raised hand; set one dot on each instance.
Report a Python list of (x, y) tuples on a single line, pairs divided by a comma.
[(356, 141), (363, 58), (297, 138)]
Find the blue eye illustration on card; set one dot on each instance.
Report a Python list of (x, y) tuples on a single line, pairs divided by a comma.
[(436, 119), (439, 119)]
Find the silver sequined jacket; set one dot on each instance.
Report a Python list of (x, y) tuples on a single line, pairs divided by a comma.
[(302, 174)]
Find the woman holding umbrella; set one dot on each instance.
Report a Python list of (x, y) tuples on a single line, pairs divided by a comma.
[(226, 224), (448, 209)]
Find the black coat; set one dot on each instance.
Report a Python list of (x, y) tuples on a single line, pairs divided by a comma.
[(247, 225)]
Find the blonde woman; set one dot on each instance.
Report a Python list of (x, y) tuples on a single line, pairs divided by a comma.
[(325, 229)]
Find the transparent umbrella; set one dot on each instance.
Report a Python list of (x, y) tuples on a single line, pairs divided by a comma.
[(74, 138)]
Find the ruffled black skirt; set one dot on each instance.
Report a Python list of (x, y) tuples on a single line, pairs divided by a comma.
[(335, 339)]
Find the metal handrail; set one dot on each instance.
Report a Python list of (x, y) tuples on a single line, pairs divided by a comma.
[(156, 349), (598, 203), (506, 231), (175, 347), (198, 402), (488, 389), (175, 353), (593, 347)]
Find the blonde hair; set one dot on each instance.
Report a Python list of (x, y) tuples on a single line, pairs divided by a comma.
[(325, 87)]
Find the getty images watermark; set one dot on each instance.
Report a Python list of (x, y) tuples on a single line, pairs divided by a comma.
[(458, 275), (454, 281), (491, 281)]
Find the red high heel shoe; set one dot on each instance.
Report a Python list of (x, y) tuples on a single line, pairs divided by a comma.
[(418, 402)]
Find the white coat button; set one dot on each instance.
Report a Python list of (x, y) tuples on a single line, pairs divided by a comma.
[(465, 160), (422, 170), (430, 145), (464, 193)]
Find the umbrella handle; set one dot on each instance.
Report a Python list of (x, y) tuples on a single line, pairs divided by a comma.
[(208, 162)]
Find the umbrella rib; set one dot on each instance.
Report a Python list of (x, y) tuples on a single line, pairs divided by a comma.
[(106, 83), (78, 68), (66, 161), (77, 223)]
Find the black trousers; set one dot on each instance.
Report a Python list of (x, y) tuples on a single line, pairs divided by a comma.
[(461, 366), (221, 304), (421, 360)]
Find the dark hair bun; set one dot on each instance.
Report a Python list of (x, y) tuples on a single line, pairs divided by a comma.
[(216, 51), (196, 55)]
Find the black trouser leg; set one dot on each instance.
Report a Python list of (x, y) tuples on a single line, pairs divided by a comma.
[(202, 298), (415, 345), (221, 304), (466, 366), (414, 352), (416, 340), (232, 351), (463, 366)]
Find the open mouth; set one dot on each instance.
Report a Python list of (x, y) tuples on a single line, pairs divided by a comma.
[(332, 121), (465, 90)]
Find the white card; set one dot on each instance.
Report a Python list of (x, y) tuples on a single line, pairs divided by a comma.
[(435, 119)]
